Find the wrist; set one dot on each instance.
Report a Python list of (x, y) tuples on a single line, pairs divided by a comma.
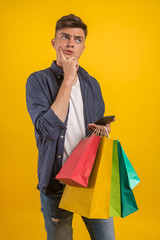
[(67, 83), (69, 79)]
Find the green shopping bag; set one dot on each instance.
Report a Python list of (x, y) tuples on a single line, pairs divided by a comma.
[(122, 201), (132, 175), (128, 203), (115, 197)]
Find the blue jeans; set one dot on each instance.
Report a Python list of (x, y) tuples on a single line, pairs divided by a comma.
[(58, 222)]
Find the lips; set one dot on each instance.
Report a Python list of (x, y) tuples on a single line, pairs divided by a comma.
[(68, 51)]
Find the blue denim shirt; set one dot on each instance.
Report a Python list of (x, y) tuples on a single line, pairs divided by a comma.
[(41, 91)]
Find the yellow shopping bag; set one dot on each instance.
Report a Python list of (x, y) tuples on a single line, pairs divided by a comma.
[(93, 201)]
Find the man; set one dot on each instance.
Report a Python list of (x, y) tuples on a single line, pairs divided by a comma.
[(64, 101)]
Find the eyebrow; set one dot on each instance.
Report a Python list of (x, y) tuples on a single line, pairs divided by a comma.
[(71, 35)]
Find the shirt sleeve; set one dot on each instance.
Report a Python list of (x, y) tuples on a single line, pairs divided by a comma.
[(101, 105), (46, 122)]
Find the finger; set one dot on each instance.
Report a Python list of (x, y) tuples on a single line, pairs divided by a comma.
[(92, 125), (63, 58), (108, 129), (108, 125), (72, 58), (91, 129), (72, 61)]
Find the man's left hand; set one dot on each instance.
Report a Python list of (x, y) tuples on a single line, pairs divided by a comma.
[(92, 126)]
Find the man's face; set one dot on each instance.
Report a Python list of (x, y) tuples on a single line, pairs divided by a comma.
[(71, 40)]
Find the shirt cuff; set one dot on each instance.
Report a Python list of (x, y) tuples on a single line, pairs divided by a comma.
[(53, 119)]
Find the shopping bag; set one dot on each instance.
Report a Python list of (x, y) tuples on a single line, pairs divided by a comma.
[(115, 197), (132, 175), (109, 193), (93, 201), (77, 169), (124, 179), (128, 202)]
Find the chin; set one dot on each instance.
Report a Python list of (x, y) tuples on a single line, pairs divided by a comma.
[(67, 55)]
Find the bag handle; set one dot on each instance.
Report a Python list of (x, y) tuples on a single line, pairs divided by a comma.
[(100, 130)]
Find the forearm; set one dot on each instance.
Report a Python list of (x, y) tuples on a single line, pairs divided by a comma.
[(60, 105), (70, 68), (46, 122)]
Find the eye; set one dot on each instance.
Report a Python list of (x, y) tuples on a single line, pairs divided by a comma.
[(78, 40), (64, 37)]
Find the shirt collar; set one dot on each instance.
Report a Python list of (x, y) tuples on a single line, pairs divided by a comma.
[(57, 70)]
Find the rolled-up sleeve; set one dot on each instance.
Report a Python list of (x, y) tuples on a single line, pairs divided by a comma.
[(46, 122)]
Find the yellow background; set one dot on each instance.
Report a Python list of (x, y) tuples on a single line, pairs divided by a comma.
[(122, 53)]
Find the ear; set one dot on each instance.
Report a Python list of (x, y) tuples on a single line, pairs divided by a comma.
[(53, 42)]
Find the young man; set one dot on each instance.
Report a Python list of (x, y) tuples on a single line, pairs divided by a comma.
[(64, 101)]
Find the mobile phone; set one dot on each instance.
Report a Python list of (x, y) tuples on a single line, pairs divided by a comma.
[(104, 120)]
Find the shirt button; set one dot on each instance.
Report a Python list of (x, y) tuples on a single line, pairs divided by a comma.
[(59, 156), (62, 136), (58, 77)]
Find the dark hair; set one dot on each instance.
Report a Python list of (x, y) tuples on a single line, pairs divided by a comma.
[(71, 21)]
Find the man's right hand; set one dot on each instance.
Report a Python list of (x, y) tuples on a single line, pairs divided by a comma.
[(70, 67)]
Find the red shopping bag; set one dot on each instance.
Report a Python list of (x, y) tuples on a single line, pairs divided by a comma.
[(77, 169)]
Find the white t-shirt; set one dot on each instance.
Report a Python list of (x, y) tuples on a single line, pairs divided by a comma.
[(76, 124)]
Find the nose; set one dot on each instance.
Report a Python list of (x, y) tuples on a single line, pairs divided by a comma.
[(70, 42)]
